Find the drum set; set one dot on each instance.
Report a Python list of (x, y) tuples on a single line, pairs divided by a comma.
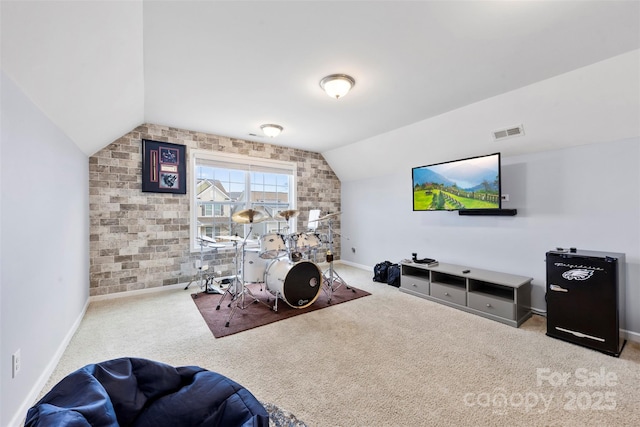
[(283, 263)]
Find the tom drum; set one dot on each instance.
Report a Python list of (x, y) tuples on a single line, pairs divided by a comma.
[(298, 284), (272, 246), (309, 240), (313, 240)]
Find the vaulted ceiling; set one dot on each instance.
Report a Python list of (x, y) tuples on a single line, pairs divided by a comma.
[(99, 68)]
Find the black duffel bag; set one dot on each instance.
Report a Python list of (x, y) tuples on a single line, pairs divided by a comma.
[(393, 275), (380, 271)]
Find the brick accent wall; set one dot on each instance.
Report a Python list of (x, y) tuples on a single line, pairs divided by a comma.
[(141, 240)]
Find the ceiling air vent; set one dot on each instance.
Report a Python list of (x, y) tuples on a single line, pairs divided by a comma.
[(508, 133)]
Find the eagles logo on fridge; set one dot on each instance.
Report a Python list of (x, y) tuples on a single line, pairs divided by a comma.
[(577, 274)]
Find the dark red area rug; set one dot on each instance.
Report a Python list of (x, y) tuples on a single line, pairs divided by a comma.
[(258, 314)]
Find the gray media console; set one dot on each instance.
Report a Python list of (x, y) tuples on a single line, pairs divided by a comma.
[(502, 297)]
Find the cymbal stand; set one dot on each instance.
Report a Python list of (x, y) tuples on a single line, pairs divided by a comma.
[(291, 243), (240, 296), (312, 251), (288, 238), (202, 280), (233, 287), (332, 279)]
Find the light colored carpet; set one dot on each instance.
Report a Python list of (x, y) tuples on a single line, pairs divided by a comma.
[(389, 359)]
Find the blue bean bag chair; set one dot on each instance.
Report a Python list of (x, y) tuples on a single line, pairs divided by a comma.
[(143, 393)]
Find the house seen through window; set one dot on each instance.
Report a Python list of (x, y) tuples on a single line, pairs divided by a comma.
[(226, 184)]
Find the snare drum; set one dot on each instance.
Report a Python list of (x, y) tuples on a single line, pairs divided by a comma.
[(272, 246), (298, 284), (254, 266)]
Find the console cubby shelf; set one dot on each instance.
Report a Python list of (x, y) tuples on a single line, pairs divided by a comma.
[(503, 297)]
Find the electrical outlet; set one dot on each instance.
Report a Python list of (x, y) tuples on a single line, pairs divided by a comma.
[(16, 362)]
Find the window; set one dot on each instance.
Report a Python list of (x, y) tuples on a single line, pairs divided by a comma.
[(225, 184)]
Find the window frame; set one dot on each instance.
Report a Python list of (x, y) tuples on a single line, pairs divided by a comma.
[(235, 160)]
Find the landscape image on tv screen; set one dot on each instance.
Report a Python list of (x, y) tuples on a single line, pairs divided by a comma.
[(472, 183)]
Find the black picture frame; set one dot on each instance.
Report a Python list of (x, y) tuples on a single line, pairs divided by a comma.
[(164, 168)]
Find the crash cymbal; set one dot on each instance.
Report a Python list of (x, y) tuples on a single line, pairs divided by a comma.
[(249, 216), (329, 216), (287, 214)]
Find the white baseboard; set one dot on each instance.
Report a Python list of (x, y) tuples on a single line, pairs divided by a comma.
[(34, 393), (628, 335), (539, 311), (631, 336), (353, 264), (194, 285)]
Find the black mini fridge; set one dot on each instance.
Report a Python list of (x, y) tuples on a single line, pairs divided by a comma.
[(585, 298)]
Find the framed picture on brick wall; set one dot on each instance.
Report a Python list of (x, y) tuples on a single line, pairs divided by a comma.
[(164, 167)]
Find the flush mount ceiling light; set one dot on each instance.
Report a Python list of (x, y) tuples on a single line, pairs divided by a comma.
[(337, 85), (271, 130)]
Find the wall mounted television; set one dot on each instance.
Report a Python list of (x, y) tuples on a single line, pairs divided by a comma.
[(471, 183)]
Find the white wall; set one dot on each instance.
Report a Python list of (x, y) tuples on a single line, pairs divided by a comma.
[(573, 177), (44, 247), (586, 197), (57, 53)]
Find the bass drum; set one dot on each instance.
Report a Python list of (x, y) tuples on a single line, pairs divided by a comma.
[(298, 284)]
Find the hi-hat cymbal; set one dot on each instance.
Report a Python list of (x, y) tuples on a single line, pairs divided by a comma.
[(209, 242), (230, 238), (236, 239), (249, 216), (215, 245), (207, 239), (287, 214), (329, 216)]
